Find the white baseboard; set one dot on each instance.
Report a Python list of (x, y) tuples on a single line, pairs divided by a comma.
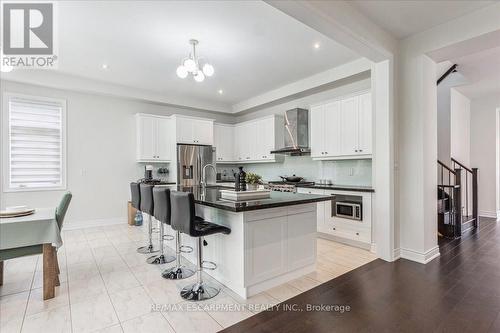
[(396, 254), (420, 257), (72, 225), (350, 242), (490, 214)]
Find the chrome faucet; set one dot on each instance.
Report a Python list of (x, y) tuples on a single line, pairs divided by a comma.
[(204, 174)]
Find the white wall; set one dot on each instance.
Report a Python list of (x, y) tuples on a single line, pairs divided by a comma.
[(417, 133), (484, 149), (444, 115), (100, 152), (341, 88), (460, 127)]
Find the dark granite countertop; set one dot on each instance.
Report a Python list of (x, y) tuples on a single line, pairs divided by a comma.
[(340, 187), (210, 196)]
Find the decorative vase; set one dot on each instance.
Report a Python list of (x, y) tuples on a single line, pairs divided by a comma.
[(138, 218)]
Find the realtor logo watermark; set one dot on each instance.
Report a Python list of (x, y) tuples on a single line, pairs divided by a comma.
[(28, 38)]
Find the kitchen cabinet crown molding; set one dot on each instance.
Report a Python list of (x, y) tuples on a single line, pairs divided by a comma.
[(339, 98), (176, 115)]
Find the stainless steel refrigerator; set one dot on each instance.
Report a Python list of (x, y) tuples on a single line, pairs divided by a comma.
[(190, 162)]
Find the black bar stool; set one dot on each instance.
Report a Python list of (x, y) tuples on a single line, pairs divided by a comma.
[(161, 199), (183, 218), (147, 206)]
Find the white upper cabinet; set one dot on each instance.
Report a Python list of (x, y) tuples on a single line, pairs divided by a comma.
[(349, 126), (332, 128), (342, 129), (265, 139), (250, 141), (154, 143), (224, 142), (317, 115), (194, 130), (365, 124), (164, 139)]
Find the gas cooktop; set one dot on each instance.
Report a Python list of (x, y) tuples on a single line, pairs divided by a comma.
[(282, 182)]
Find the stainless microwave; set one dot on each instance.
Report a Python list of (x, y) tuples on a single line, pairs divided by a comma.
[(349, 210)]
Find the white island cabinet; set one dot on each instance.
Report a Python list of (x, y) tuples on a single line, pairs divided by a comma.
[(266, 247)]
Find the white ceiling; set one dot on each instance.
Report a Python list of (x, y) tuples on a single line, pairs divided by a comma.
[(403, 18), (482, 71), (253, 46)]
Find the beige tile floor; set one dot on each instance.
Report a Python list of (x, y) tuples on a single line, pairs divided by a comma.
[(106, 286)]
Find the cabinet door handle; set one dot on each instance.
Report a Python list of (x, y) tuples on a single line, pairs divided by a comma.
[(334, 228), (357, 234)]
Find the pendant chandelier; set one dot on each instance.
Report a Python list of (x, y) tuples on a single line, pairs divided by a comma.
[(192, 66)]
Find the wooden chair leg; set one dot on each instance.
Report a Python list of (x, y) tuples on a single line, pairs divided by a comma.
[(58, 283), (49, 271), (1, 273)]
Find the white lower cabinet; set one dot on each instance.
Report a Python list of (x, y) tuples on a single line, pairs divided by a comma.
[(342, 228), (279, 241)]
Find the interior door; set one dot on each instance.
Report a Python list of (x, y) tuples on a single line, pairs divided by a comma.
[(349, 126), (365, 124), (332, 129)]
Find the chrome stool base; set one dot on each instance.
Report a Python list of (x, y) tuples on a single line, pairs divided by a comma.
[(160, 259), (199, 292), (147, 249), (177, 273)]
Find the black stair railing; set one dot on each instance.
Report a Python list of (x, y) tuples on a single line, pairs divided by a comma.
[(471, 191), (449, 201)]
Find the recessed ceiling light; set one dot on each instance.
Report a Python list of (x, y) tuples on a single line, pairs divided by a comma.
[(317, 45), (105, 66), (220, 91)]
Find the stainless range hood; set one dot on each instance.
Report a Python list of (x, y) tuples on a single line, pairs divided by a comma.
[(296, 133)]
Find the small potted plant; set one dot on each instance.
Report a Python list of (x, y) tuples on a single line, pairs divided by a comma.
[(253, 180)]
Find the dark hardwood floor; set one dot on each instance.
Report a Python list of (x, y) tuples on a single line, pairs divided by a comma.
[(457, 292)]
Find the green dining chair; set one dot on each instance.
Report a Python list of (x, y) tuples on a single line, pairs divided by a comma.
[(17, 252)]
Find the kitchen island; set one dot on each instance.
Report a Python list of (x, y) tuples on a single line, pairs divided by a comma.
[(272, 241)]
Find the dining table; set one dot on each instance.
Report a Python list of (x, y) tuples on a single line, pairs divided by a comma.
[(37, 229)]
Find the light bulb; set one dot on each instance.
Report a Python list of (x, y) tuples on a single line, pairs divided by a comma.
[(190, 65), (182, 72), (199, 76), (208, 70)]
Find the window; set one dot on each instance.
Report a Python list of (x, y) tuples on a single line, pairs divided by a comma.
[(35, 138)]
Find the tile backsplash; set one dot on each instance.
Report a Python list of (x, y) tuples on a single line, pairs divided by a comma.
[(345, 172)]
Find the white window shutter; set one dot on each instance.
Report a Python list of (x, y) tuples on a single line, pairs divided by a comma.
[(36, 151)]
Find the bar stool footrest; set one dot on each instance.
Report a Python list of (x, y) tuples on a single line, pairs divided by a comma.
[(168, 237), (188, 248), (205, 264)]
